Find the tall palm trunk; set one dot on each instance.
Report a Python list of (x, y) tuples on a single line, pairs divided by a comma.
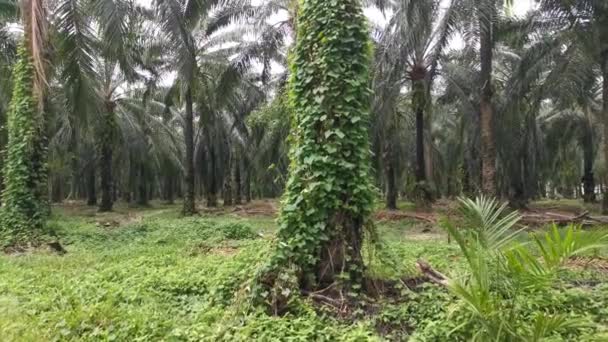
[(236, 178), (189, 205), (588, 154), (3, 144), (247, 180), (73, 152), (107, 138), (227, 191), (170, 186), (605, 118), (91, 193), (488, 148), (418, 102), (142, 198), (212, 192), (389, 169), (212, 183)]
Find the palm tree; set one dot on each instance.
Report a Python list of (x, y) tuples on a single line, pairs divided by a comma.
[(328, 198), (576, 104), (487, 14), (188, 28), (178, 19), (8, 54), (529, 69), (267, 131), (24, 196), (483, 29), (412, 43), (97, 51), (587, 18)]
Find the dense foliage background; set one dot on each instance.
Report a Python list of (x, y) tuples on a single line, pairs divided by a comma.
[(111, 111)]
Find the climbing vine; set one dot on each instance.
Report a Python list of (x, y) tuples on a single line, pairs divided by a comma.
[(329, 195), (106, 136), (24, 196)]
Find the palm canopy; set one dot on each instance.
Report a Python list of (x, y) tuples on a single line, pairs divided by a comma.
[(8, 9), (414, 36)]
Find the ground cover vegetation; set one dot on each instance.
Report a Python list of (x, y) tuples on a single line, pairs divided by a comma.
[(303, 170)]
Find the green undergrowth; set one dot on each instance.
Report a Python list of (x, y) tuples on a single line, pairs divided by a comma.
[(156, 276)]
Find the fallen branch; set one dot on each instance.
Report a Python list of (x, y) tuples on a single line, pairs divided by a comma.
[(599, 219), (338, 305), (433, 275), (568, 218), (546, 218), (401, 215)]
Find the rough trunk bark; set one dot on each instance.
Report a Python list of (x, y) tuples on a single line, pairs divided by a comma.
[(91, 190), (189, 204), (40, 161), (428, 153), (73, 152), (227, 191), (488, 148), (142, 198), (236, 181), (605, 118), (389, 169), (107, 133), (588, 176), (247, 181), (212, 187), (57, 189), (170, 193), (418, 104)]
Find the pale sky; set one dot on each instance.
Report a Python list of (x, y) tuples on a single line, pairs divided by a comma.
[(520, 7)]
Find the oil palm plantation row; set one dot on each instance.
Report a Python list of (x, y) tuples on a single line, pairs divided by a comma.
[(188, 99)]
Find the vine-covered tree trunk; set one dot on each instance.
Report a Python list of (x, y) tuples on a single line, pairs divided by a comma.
[(329, 195), (488, 148), (91, 186), (24, 211), (105, 160), (3, 145), (189, 203)]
